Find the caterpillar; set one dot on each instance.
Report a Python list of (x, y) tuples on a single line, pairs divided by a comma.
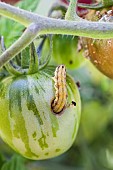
[(59, 102)]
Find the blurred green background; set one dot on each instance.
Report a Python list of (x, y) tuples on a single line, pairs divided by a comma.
[(93, 148)]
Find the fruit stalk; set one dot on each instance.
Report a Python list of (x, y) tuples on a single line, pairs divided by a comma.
[(71, 12), (97, 6)]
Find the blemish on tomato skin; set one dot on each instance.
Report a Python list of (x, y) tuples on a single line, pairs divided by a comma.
[(70, 62), (57, 150), (109, 42), (34, 135), (95, 61)]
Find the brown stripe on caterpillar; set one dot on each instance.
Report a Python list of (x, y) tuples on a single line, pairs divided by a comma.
[(59, 102)]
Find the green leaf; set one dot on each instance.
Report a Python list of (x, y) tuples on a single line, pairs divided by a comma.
[(15, 163), (12, 30), (28, 5), (2, 160)]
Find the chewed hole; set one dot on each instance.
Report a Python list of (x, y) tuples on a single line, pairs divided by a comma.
[(73, 103), (62, 66)]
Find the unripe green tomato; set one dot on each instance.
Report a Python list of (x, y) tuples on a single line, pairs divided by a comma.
[(27, 122), (65, 51)]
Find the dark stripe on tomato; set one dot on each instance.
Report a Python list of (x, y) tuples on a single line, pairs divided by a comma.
[(42, 141), (2, 90), (40, 85), (5, 130), (32, 106), (19, 89), (54, 121)]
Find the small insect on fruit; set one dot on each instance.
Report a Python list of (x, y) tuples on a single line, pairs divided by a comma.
[(59, 103)]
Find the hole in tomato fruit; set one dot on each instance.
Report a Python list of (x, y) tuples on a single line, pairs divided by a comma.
[(73, 103), (70, 62)]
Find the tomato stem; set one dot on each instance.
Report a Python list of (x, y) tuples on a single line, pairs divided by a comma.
[(47, 25), (71, 11), (39, 25)]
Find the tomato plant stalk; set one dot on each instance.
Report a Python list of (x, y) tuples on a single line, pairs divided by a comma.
[(38, 25), (71, 12)]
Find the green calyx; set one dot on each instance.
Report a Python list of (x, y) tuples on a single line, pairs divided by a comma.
[(27, 123), (26, 62)]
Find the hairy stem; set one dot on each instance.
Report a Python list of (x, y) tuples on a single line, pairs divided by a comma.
[(38, 25), (16, 14), (47, 25), (71, 11)]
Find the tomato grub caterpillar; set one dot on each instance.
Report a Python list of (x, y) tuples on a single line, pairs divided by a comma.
[(59, 102)]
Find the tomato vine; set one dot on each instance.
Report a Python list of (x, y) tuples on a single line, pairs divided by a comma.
[(38, 25)]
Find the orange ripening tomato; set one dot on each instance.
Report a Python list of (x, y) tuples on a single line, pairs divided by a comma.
[(100, 51)]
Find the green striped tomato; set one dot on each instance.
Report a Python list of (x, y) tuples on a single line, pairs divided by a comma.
[(27, 123)]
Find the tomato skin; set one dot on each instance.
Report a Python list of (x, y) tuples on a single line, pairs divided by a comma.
[(27, 123), (100, 53), (65, 51)]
